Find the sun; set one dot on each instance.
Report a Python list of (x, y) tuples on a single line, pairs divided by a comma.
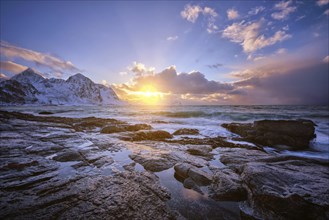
[(149, 95)]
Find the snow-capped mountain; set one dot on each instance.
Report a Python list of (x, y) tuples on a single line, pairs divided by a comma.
[(29, 87)]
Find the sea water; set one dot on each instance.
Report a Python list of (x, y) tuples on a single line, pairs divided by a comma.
[(207, 119)]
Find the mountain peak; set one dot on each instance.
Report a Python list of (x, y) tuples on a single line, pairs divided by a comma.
[(28, 75), (30, 71), (78, 77)]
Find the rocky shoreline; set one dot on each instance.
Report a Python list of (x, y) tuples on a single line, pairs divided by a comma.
[(92, 168)]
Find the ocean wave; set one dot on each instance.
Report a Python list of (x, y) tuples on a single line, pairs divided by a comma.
[(181, 114)]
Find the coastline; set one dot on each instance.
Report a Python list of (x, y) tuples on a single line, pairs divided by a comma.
[(51, 154)]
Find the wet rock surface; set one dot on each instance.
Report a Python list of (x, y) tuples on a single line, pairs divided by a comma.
[(64, 168), (49, 171), (294, 133)]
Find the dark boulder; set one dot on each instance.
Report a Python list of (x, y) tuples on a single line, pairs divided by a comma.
[(45, 113), (112, 129), (182, 169), (293, 133), (186, 131), (123, 128)]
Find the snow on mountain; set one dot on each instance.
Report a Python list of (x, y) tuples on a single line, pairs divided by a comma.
[(29, 87)]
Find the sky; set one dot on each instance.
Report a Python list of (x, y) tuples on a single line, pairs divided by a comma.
[(169, 52)]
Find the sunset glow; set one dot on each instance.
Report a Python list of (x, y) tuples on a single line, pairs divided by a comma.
[(149, 95)]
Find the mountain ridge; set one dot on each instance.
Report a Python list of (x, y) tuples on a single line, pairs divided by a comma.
[(30, 87)]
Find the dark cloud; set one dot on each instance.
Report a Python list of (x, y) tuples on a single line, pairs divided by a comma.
[(308, 85), (215, 66)]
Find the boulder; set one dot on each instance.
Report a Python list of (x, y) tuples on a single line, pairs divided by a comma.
[(293, 133), (190, 184), (186, 171), (287, 189), (112, 129), (186, 131), (200, 150), (45, 113), (227, 186), (153, 164), (138, 127), (200, 177), (123, 128), (182, 169)]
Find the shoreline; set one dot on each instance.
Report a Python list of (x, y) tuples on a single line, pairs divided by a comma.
[(51, 154)]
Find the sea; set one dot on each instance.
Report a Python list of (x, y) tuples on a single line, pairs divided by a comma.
[(207, 119)]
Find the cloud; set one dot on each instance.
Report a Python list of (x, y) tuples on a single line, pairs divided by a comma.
[(288, 78), (326, 59), (140, 69), (281, 78), (123, 73), (12, 67), (281, 51), (300, 18), (322, 2), (3, 76), (192, 12), (41, 59), (256, 10), (326, 12), (172, 38), (232, 14), (249, 37), (215, 66), (283, 10)]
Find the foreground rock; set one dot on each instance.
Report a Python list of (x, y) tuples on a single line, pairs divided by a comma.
[(287, 189), (123, 196), (294, 133), (49, 171)]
